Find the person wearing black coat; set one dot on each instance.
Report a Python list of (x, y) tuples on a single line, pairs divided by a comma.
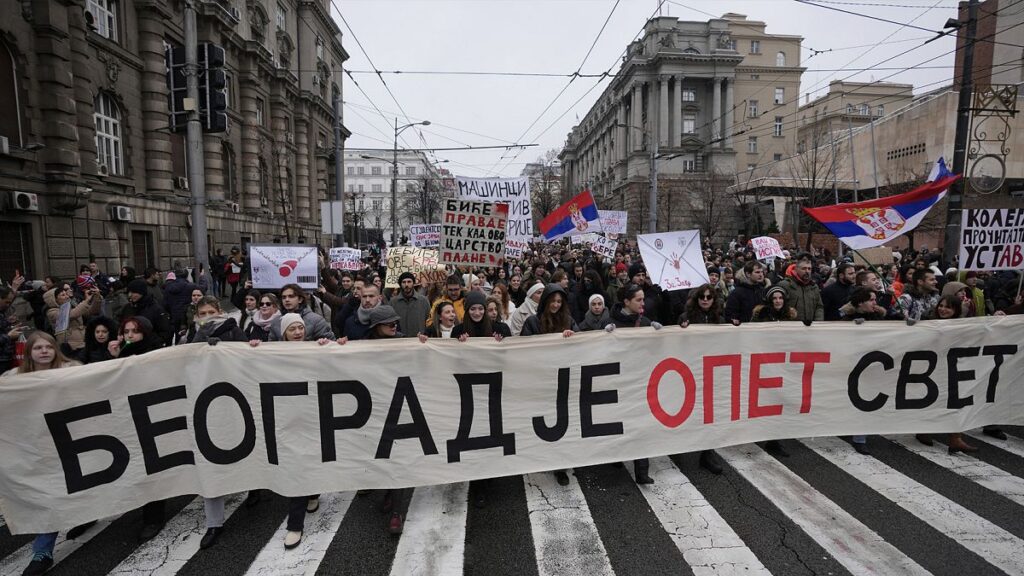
[(836, 294), (590, 286), (476, 323), (750, 285), (142, 304), (177, 297), (99, 332), (704, 307)]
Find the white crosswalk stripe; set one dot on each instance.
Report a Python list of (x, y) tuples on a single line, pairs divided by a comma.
[(1012, 444), (434, 537), (565, 538), (318, 531), (989, 541), (852, 544)]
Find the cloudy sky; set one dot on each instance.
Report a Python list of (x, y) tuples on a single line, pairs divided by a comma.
[(438, 37)]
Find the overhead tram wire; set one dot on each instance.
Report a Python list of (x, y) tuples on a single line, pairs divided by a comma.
[(437, 124)]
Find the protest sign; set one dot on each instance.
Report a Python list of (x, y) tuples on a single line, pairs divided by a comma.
[(992, 239), (473, 232), (878, 256), (512, 191), (583, 239), (515, 248), (346, 259), (766, 248), (274, 265), (425, 235), (673, 259), (603, 246), (297, 418), (422, 262), (613, 221)]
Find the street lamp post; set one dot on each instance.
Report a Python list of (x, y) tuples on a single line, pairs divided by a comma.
[(394, 178)]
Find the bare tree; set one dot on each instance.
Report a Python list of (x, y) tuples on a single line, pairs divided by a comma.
[(813, 173), (423, 201), (703, 200), (545, 184)]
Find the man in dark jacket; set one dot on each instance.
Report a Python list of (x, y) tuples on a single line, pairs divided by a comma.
[(141, 303), (358, 324), (177, 297), (838, 293), (294, 300), (412, 307), (750, 285)]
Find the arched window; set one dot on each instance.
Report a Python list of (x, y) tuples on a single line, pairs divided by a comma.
[(10, 101), (780, 59), (107, 117)]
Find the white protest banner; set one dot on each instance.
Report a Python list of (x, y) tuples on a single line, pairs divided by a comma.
[(422, 262), (473, 232), (274, 265), (766, 247), (425, 235), (673, 259), (992, 239), (512, 191), (603, 246), (515, 248), (298, 418), (346, 259), (583, 239), (613, 221)]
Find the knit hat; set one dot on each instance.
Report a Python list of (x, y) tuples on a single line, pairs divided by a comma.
[(635, 269), (774, 290), (289, 319), (382, 315), (476, 297), (405, 275), (951, 288), (538, 287), (138, 286), (971, 274), (171, 276), (595, 297), (620, 267)]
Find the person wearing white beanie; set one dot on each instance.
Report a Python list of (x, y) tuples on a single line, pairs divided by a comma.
[(527, 309), (597, 316)]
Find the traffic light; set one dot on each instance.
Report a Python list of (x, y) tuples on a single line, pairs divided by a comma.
[(174, 58), (213, 99)]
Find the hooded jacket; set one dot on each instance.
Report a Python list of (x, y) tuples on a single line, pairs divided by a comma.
[(532, 325), (74, 336), (177, 297), (150, 340), (316, 326), (93, 350), (623, 319), (158, 319), (520, 315), (834, 296), (412, 312), (744, 297)]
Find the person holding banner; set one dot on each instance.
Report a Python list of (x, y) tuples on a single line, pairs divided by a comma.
[(527, 309), (476, 323), (748, 292), (703, 307), (293, 300), (453, 293), (597, 314)]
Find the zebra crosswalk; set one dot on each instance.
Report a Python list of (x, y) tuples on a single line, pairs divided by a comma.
[(825, 509)]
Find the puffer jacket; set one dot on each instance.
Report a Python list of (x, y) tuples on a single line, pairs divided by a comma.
[(74, 336), (744, 297)]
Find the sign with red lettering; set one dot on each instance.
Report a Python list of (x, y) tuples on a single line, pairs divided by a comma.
[(421, 262), (673, 259), (992, 239), (299, 418), (766, 247), (473, 232)]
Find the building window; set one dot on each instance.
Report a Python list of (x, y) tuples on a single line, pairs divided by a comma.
[(755, 76), (410, 170), (689, 95), (350, 171), (378, 205), (229, 93), (375, 170), (230, 173), (780, 96), (778, 126), (780, 59), (360, 188), (689, 165), (362, 205), (865, 110), (319, 48), (777, 157), (689, 123), (361, 170), (10, 96), (376, 188), (751, 166), (282, 17), (751, 108), (108, 133), (880, 111), (260, 111), (104, 17), (264, 180), (351, 187), (752, 145), (755, 46), (143, 248), (849, 109)]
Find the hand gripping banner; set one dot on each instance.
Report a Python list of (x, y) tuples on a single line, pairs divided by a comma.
[(297, 418)]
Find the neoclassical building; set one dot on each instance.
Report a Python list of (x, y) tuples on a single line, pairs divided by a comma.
[(710, 93), (88, 164)]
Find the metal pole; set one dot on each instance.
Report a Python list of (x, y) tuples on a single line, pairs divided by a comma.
[(194, 140), (963, 119), (853, 159), (394, 189), (835, 187), (874, 157), (339, 174)]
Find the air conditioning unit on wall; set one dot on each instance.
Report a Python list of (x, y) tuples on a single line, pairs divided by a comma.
[(234, 207), (121, 213), (102, 170), (181, 182), (25, 201)]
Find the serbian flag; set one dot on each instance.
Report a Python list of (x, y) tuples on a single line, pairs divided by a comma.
[(874, 222), (577, 216)]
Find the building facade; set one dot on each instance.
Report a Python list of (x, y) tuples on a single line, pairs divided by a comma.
[(681, 103), (848, 105), (91, 167)]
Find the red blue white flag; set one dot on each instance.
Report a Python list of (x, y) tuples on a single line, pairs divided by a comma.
[(874, 222), (577, 216)]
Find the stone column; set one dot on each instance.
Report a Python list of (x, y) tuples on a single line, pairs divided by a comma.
[(677, 116), (250, 148), (663, 118), (152, 22), (58, 125), (716, 112), (637, 128), (81, 60), (303, 152), (282, 187), (729, 112), (215, 165), (620, 132)]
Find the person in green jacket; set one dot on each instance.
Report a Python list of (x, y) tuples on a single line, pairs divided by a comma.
[(802, 294)]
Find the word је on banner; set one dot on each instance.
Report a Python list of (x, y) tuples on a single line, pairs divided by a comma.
[(512, 191), (425, 235), (766, 247), (296, 418), (515, 248), (346, 259), (274, 265), (473, 232), (673, 259), (421, 262), (613, 221), (992, 239)]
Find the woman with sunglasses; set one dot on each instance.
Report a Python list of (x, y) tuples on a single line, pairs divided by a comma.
[(704, 307), (258, 325)]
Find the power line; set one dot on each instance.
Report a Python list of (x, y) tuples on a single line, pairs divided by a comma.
[(433, 124), (868, 16)]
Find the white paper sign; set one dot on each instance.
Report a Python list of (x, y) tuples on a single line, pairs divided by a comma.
[(473, 232), (766, 247), (512, 191), (992, 239), (425, 235), (603, 246), (274, 265), (613, 221), (346, 259), (673, 259), (515, 248)]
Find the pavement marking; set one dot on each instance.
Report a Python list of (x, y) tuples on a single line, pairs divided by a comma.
[(318, 532), (995, 479), (1012, 444), (993, 544), (15, 563), (711, 547), (565, 537), (166, 554), (851, 543), (433, 540)]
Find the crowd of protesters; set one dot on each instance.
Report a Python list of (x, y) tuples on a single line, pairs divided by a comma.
[(553, 289)]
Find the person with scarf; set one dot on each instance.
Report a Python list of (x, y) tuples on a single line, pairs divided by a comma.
[(703, 307), (774, 309), (190, 317), (247, 301), (41, 353), (293, 300), (443, 324), (99, 331), (802, 294), (67, 319), (358, 325), (589, 285), (597, 316), (505, 308), (476, 323), (516, 291), (142, 304), (527, 309), (257, 324)]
